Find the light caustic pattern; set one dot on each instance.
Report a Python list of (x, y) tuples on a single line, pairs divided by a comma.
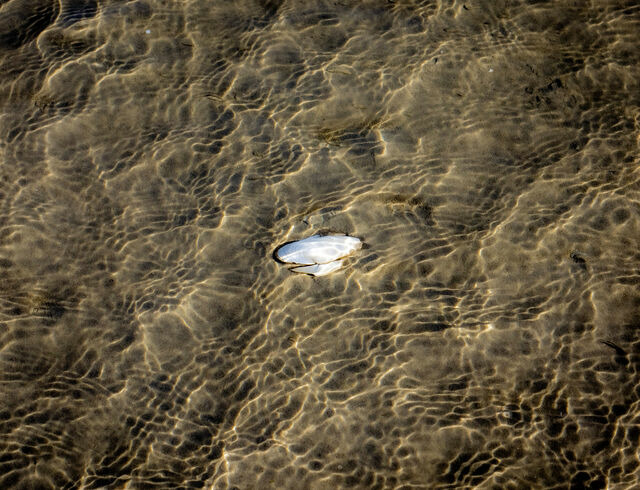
[(153, 157)]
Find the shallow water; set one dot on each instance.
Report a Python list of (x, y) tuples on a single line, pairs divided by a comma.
[(154, 154)]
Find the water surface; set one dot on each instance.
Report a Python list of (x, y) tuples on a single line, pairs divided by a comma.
[(153, 155)]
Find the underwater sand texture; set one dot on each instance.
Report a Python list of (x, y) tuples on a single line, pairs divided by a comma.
[(154, 154)]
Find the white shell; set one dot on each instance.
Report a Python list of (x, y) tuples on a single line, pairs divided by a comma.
[(319, 269), (321, 253), (318, 249)]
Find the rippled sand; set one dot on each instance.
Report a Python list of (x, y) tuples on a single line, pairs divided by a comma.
[(154, 154)]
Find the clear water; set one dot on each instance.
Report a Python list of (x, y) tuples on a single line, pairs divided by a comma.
[(153, 154)]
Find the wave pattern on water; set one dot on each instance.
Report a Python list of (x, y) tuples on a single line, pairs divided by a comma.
[(152, 157)]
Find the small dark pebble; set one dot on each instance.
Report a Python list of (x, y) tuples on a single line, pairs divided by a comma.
[(578, 260)]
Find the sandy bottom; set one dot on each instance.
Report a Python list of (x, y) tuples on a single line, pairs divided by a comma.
[(154, 154)]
